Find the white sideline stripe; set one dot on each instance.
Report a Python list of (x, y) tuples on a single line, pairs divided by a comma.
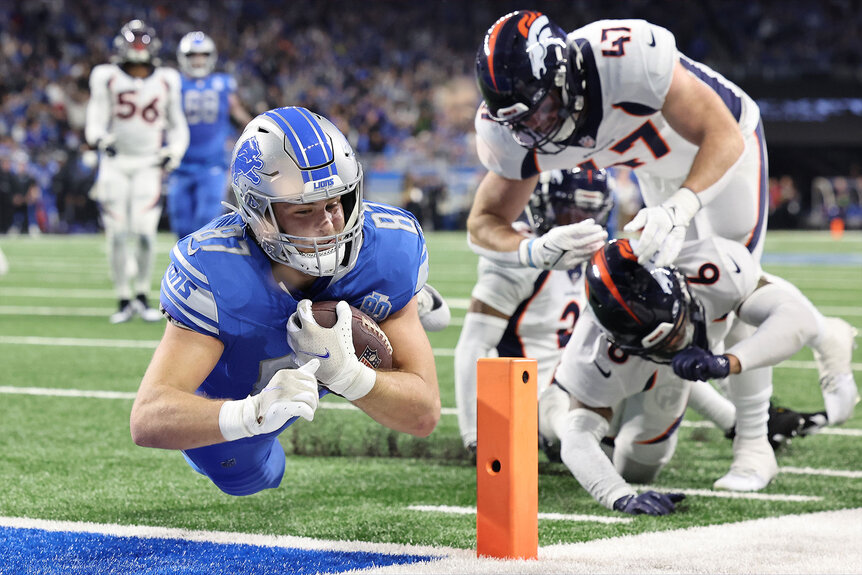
[(56, 311), (550, 516), (734, 494), (131, 343), (823, 472), (76, 342), (224, 537), (66, 392), (341, 405)]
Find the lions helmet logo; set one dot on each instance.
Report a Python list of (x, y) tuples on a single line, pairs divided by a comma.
[(247, 162)]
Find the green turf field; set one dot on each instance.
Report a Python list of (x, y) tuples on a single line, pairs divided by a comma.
[(68, 378)]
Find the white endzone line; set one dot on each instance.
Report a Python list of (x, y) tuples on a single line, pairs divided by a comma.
[(337, 405), (549, 516), (151, 344), (224, 537)]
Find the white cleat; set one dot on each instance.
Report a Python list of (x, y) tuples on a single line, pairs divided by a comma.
[(434, 313), (753, 467), (147, 313), (124, 315), (833, 359)]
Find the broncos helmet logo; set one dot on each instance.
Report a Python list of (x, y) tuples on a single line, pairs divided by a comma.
[(540, 38), (247, 162)]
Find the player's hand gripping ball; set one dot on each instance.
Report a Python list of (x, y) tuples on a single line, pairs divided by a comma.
[(370, 344)]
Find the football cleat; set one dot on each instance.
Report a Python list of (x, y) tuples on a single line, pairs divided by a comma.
[(783, 425), (833, 359), (812, 423), (124, 314), (142, 308), (433, 311), (753, 467)]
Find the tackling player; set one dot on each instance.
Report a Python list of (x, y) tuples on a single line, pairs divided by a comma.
[(197, 187), (134, 107), (648, 333), (618, 92), (241, 356)]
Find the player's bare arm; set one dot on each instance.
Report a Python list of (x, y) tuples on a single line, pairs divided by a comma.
[(167, 413), (498, 203), (406, 399), (238, 113), (699, 115)]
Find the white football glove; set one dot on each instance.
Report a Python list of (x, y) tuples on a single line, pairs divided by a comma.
[(563, 247), (169, 161), (290, 393), (340, 369), (663, 228)]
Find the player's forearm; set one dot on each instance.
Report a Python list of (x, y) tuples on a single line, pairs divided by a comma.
[(175, 420), (582, 454), (785, 324), (716, 160), (493, 233), (403, 401)]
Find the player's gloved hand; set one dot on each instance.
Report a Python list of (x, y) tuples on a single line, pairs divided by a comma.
[(340, 369), (169, 161), (563, 247), (648, 503), (107, 145), (663, 228), (290, 393), (695, 363)]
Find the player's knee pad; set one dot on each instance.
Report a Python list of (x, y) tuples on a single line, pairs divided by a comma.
[(639, 460)]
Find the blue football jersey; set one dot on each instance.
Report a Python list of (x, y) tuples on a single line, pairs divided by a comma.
[(205, 103), (219, 283)]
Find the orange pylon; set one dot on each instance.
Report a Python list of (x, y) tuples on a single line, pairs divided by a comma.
[(507, 459)]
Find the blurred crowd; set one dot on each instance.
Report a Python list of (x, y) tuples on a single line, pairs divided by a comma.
[(396, 77)]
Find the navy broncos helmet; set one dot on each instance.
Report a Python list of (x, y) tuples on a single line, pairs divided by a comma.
[(569, 196), (525, 65), (136, 43), (648, 312)]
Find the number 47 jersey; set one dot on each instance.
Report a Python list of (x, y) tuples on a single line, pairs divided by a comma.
[(219, 283)]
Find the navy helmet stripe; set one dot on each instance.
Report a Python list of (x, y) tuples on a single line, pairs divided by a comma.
[(724, 91)]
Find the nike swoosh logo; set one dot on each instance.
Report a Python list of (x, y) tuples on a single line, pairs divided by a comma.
[(735, 264), (607, 373), (651, 39), (321, 356)]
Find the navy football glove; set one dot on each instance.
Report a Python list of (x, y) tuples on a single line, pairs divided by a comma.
[(695, 364), (648, 503)]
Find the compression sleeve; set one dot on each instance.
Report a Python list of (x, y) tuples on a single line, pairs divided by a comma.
[(479, 336), (583, 455), (784, 324)]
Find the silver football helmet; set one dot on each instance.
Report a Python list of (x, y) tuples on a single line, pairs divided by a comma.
[(197, 43), (136, 44), (296, 156)]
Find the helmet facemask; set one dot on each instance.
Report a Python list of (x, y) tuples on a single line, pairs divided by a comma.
[(136, 44), (293, 156), (528, 82), (197, 55)]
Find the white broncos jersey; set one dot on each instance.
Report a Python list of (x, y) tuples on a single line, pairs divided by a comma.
[(721, 275), (543, 307), (628, 66), (141, 113)]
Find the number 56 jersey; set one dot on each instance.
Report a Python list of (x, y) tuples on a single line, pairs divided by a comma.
[(219, 283)]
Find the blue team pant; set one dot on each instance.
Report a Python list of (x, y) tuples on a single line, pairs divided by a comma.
[(194, 197), (244, 466)]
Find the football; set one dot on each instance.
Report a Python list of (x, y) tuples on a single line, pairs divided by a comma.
[(370, 343)]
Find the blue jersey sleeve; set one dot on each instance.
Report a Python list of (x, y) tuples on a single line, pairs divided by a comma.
[(392, 265)]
